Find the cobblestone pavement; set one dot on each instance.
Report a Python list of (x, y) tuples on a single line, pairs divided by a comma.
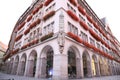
[(15, 77)]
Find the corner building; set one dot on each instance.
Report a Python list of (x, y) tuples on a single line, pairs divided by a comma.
[(62, 39)]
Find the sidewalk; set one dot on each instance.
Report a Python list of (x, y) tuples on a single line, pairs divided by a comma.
[(16, 77)]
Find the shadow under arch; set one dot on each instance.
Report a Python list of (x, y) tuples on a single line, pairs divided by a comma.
[(47, 56), (32, 60), (22, 64), (73, 62), (87, 72), (16, 65)]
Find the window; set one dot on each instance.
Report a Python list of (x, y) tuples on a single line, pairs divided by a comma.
[(72, 28), (49, 28), (89, 25), (81, 17), (17, 45), (84, 36), (98, 45), (92, 41), (96, 31), (71, 8), (50, 8)]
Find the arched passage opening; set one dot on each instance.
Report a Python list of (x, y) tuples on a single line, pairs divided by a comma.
[(94, 65), (22, 64), (16, 64), (86, 64), (100, 66), (74, 63), (71, 63), (32, 63), (47, 62)]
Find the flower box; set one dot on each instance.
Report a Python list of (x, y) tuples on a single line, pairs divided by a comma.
[(38, 21), (18, 37), (48, 2), (47, 16), (40, 6), (89, 18), (83, 24), (15, 51), (21, 25), (95, 25), (75, 37), (73, 2), (27, 31), (72, 15), (29, 18), (47, 36), (94, 35), (81, 10)]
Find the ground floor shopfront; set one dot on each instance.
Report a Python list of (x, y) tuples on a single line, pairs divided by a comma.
[(46, 60)]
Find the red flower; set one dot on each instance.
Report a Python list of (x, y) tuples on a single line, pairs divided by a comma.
[(47, 16), (89, 18), (48, 2), (81, 10), (83, 24), (29, 18), (72, 15), (27, 31), (73, 2), (75, 37), (21, 25), (18, 37), (94, 35)]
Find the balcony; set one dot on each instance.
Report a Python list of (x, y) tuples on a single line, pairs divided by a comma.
[(47, 16), (83, 24), (48, 2), (72, 15), (81, 10), (73, 2)]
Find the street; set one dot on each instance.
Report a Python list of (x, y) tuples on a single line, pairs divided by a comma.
[(16, 77)]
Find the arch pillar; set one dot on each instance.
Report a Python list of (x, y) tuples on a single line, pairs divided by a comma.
[(21, 68), (42, 73), (37, 75), (60, 67), (97, 68), (79, 68), (89, 65)]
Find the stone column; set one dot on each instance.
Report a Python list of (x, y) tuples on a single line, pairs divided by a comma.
[(37, 75), (79, 68), (21, 68), (60, 67), (13, 71), (26, 68), (15, 68), (43, 68), (29, 68), (89, 67), (97, 69)]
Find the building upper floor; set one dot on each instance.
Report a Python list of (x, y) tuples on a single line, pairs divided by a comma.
[(44, 18)]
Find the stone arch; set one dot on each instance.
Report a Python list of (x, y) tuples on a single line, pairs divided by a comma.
[(46, 59), (87, 72), (22, 64), (16, 62), (73, 62), (95, 67), (32, 60), (10, 65), (101, 66)]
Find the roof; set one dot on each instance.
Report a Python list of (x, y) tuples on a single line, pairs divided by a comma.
[(3, 47)]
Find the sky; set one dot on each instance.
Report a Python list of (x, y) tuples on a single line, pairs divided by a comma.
[(11, 10)]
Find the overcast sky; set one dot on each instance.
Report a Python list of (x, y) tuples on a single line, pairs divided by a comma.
[(11, 10)]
